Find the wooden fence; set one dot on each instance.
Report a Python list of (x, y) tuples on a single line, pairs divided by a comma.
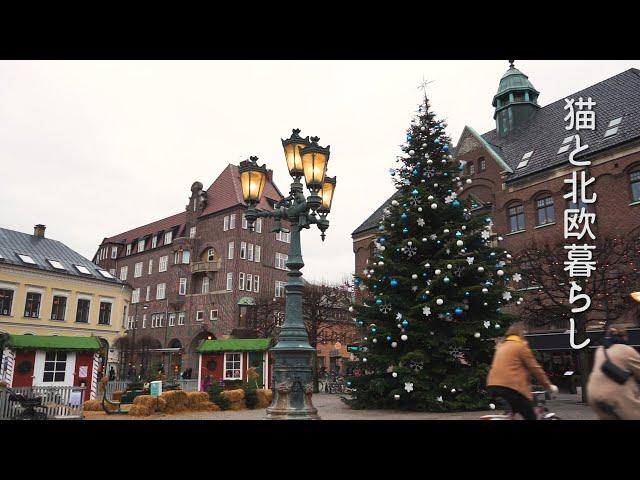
[(61, 402)]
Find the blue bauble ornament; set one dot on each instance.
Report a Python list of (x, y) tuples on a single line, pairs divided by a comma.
[(424, 274), (405, 324), (382, 240), (446, 174), (446, 280), (459, 311), (378, 301), (393, 283), (416, 173), (438, 242), (437, 141), (405, 230), (415, 192), (357, 281), (360, 322), (466, 294), (458, 234), (445, 148), (388, 338), (493, 254), (404, 217), (487, 219), (381, 228), (423, 297), (455, 203)]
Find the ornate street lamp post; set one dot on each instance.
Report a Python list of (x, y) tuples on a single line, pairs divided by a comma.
[(292, 371)]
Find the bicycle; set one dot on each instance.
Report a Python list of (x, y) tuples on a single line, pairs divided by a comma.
[(540, 409)]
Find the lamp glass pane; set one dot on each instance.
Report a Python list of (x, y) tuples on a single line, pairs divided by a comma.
[(315, 166), (252, 185), (327, 194), (292, 155)]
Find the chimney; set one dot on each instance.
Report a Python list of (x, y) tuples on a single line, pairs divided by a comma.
[(38, 230), (270, 175)]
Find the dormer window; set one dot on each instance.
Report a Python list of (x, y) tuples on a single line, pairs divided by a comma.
[(56, 264), (26, 259), (525, 160), (129, 247), (154, 241), (168, 237), (612, 129), (83, 269), (140, 246)]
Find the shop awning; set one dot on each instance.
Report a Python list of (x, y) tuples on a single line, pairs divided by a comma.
[(235, 345), (44, 342), (560, 340)]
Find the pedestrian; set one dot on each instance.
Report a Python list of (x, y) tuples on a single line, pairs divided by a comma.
[(112, 374), (612, 389), (206, 383), (513, 365)]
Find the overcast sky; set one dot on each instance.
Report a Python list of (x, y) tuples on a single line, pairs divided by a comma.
[(95, 148)]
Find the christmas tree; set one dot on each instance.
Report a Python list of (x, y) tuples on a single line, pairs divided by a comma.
[(434, 289)]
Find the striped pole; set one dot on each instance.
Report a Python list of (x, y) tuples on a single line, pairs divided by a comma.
[(8, 365), (94, 376)]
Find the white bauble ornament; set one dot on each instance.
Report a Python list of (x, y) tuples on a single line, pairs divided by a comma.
[(382, 248), (412, 152), (438, 271), (351, 309), (435, 185), (439, 301), (364, 359), (434, 206), (394, 374), (453, 390), (497, 326), (459, 243), (427, 265), (414, 276), (394, 203), (500, 273), (397, 397), (419, 209), (464, 227), (485, 304), (492, 406), (446, 230), (485, 290), (394, 344), (430, 197), (424, 239), (477, 334), (404, 338), (375, 340), (500, 239), (429, 162), (449, 266), (468, 180), (480, 269)]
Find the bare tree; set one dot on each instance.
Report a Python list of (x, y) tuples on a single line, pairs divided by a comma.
[(547, 282), (267, 316)]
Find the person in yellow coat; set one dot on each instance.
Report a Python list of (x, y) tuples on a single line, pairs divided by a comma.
[(614, 398), (511, 370)]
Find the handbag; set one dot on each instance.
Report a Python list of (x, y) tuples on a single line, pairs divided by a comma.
[(614, 372)]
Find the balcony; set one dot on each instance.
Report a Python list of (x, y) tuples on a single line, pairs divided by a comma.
[(198, 267)]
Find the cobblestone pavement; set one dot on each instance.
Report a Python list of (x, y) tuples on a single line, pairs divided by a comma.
[(330, 407)]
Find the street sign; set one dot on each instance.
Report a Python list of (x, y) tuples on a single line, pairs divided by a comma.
[(155, 388)]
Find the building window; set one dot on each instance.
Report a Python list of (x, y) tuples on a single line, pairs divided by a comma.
[(259, 225), (124, 271), (283, 236), (192, 232), (226, 223), (172, 319), (280, 289), (213, 315), (205, 285), (164, 261), (58, 308), (229, 281), (55, 366), (114, 252), (135, 296), (634, 177), (137, 271), (154, 241), (105, 313), (250, 252), (546, 210), (186, 256), (258, 252), (6, 301), (150, 266), (211, 255), (32, 305), (181, 317), (148, 297), (233, 366), (160, 291), (256, 283), (516, 218), (168, 237), (249, 283), (577, 205), (129, 249), (176, 257), (82, 313), (482, 164), (199, 315), (144, 321), (140, 246), (243, 249), (230, 253), (241, 281), (281, 261), (471, 168), (183, 287), (245, 224), (112, 271), (232, 221)]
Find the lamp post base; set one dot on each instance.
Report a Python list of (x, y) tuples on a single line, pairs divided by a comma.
[(292, 386)]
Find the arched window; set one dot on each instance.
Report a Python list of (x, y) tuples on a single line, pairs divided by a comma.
[(545, 210), (482, 164), (515, 214), (211, 255), (634, 178)]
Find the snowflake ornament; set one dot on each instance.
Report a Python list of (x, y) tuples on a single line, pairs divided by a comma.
[(485, 234), (439, 399), (487, 324), (414, 201), (398, 316), (506, 296), (415, 365), (421, 222), (516, 277), (456, 352), (385, 308), (426, 311), (410, 251), (470, 260), (408, 386)]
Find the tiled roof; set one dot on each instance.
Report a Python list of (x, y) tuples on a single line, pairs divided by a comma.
[(374, 218), (53, 342), (155, 227), (42, 249), (225, 192), (235, 345), (618, 96)]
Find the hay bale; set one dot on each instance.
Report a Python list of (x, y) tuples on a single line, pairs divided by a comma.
[(116, 396), (139, 410), (239, 405), (264, 398), (92, 406), (234, 395), (176, 401), (152, 403), (196, 399), (210, 406)]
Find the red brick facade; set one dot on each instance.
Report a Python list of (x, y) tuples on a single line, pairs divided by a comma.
[(210, 233)]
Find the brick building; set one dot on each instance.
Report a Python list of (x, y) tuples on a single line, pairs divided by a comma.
[(518, 171), (197, 274)]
